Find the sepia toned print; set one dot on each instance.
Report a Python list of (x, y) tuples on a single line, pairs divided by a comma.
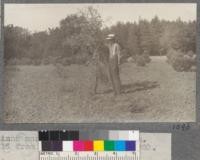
[(100, 63)]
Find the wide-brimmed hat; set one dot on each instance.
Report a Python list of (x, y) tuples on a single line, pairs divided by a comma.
[(110, 36)]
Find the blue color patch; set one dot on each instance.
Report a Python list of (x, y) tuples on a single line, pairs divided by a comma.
[(130, 145), (120, 146)]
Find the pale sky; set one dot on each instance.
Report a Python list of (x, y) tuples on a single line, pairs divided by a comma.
[(38, 17)]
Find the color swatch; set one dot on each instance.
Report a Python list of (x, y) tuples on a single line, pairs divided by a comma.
[(98, 145), (95, 145), (123, 135), (103, 141), (55, 135)]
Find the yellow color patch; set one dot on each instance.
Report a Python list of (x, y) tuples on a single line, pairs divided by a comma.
[(98, 145)]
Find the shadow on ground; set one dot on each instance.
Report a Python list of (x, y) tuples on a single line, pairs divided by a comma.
[(138, 86)]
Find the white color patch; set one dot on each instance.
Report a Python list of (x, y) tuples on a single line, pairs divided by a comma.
[(67, 145), (124, 135), (133, 135)]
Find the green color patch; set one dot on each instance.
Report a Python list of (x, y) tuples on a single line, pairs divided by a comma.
[(109, 145)]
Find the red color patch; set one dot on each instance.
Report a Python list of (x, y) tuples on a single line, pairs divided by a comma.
[(88, 145)]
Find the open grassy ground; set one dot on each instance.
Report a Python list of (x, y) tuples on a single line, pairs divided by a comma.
[(44, 94)]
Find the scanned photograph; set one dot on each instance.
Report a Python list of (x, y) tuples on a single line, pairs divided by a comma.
[(100, 62)]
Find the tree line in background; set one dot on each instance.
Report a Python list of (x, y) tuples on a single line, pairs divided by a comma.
[(80, 35)]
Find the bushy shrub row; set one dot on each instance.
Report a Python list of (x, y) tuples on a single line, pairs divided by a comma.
[(181, 61), (140, 60)]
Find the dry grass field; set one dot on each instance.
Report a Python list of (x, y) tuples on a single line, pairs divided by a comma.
[(50, 94)]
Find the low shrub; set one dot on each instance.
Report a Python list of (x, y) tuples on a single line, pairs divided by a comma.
[(147, 58), (140, 60), (37, 62), (181, 61)]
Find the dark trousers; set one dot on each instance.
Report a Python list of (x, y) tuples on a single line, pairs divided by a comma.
[(114, 75)]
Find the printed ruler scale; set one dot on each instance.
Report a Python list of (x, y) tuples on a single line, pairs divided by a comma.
[(72, 145), (88, 156)]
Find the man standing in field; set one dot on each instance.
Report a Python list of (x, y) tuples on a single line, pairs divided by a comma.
[(114, 61)]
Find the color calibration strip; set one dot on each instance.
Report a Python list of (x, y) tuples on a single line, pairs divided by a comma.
[(70, 141), (77, 145), (94, 145)]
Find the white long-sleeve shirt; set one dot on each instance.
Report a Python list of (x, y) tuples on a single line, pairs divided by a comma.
[(115, 51)]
